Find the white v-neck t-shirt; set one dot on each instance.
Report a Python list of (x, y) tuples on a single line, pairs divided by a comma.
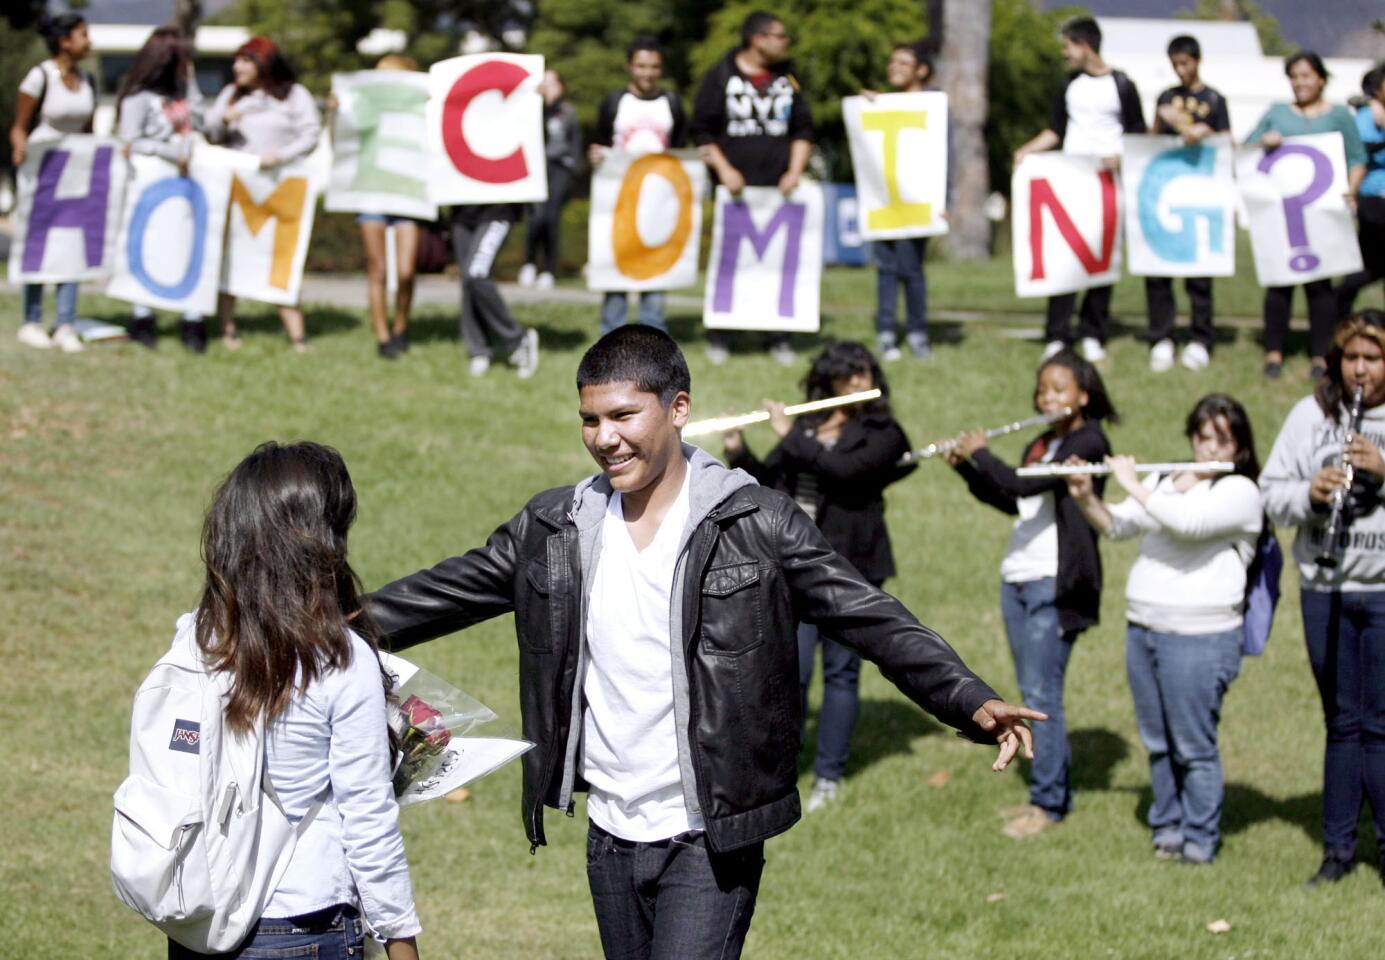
[(629, 734)]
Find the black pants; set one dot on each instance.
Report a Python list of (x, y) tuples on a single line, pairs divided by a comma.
[(486, 324), (1370, 214), (1094, 320), (1322, 316), (1162, 312), (545, 219), (671, 899)]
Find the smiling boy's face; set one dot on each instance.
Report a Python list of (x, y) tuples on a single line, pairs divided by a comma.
[(631, 435)]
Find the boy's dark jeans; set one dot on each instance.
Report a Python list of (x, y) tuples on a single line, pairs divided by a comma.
[(671, 899)]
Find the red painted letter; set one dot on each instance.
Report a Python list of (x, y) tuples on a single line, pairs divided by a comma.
[(491, 75), (1041, 195)]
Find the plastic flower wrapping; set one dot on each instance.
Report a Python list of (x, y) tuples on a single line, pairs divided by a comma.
[(447, 738)]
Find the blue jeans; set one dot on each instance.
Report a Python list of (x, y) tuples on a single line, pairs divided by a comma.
[(1178, 682), (66, 298), (1041, 651), (1346, 648), (901, 262), (841, 702), (671, 899), (616, 306), (332, 934)]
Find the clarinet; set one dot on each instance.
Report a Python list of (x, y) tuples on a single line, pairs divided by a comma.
[(1335, 534)]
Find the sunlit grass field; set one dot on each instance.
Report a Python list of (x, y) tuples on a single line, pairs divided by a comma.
[(107, 461)]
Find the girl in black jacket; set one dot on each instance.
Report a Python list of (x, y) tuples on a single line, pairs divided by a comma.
[(1050, 587), (836, 465)]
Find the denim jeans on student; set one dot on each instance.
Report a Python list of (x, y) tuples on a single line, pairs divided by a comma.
[(671, 899), (1346, 649), (1177, 682), (901, 262), (332, 934), (615, 309), (66, 298), (1041, 651), (841, 702)]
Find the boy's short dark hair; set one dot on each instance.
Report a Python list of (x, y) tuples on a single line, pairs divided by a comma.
[(638, 354), (1370, 83), (1186, 45), (1085, 31), (644, 42), (922, 51), (755, 24)]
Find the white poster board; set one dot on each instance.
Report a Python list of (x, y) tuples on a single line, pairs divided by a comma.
[(898, 147), (68, 210), (380, 151), (268, 228), (1065, 221), (1181, 201)]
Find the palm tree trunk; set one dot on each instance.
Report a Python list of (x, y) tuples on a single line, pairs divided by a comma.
[(187, 14), (963, 67)]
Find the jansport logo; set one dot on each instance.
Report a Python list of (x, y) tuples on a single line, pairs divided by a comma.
[(186, 734)]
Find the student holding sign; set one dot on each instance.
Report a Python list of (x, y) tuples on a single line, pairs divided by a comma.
[(899, 262), (1194, 111), (158, 108), (267, 112), (55, 99), (1309, 113), (638, 119), (752, 126), (1094, 108)]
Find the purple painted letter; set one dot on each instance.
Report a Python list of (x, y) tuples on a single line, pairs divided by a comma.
[(736, 226), (86, 212)]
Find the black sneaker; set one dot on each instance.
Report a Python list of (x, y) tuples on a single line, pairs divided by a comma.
[(194, 334), (1332, 870), (142, 332), (401, 342), (387, 350), (1273, 370)]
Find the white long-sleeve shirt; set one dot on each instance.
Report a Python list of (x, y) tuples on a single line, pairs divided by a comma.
[(1190, 575), (1307, 442), (333, 739), (288, 128)]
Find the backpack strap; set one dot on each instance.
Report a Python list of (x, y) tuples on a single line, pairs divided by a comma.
[(302, 826)]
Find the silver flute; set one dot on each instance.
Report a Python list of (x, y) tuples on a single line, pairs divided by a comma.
[(1101, 469), (947, 446), (1334, 534)]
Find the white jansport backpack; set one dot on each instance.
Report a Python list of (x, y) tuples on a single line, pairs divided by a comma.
[(199, 841)]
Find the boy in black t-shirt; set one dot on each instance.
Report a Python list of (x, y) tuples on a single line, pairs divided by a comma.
[(1195, 111), (753, 128)]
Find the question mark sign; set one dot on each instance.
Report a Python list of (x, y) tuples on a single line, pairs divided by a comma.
[(1304, 260)]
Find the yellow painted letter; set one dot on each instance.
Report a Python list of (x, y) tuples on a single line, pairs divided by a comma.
[(898, 214)]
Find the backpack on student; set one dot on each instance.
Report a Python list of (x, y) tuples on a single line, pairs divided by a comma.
[(199, 841), (1262, 592)]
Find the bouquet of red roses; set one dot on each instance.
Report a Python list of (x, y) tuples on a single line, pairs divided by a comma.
[(446, 738)]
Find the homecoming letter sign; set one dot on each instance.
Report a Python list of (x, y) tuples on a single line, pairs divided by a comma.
[(646, 220), (899, 152), (1065, 221)]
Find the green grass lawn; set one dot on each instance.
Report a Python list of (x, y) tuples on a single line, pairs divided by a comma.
[(108, 459)]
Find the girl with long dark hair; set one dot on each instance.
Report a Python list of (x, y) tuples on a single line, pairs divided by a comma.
[(1050, 578), (1309, 113), (56, 99), (1343, 604), (836, 464), (281, 613), (1185, 609), (267, 112), (158, 109)]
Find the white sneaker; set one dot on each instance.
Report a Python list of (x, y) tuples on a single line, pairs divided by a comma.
[(1161, 356), (1195, 356), (784, 354), (717, 354), (33, 335), (891, 353), (527, 273), (824, 792), (1092, 350), (66, 339), (545, 281), (1052, 349), (526, 355), (478, 366)]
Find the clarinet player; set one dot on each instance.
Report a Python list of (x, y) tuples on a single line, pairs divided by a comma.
[(1343, 603)]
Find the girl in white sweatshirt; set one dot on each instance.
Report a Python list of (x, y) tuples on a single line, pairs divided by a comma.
[(1343, 605), (1184, 605)]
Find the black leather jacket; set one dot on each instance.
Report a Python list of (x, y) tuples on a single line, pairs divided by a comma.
[(753, 566)]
